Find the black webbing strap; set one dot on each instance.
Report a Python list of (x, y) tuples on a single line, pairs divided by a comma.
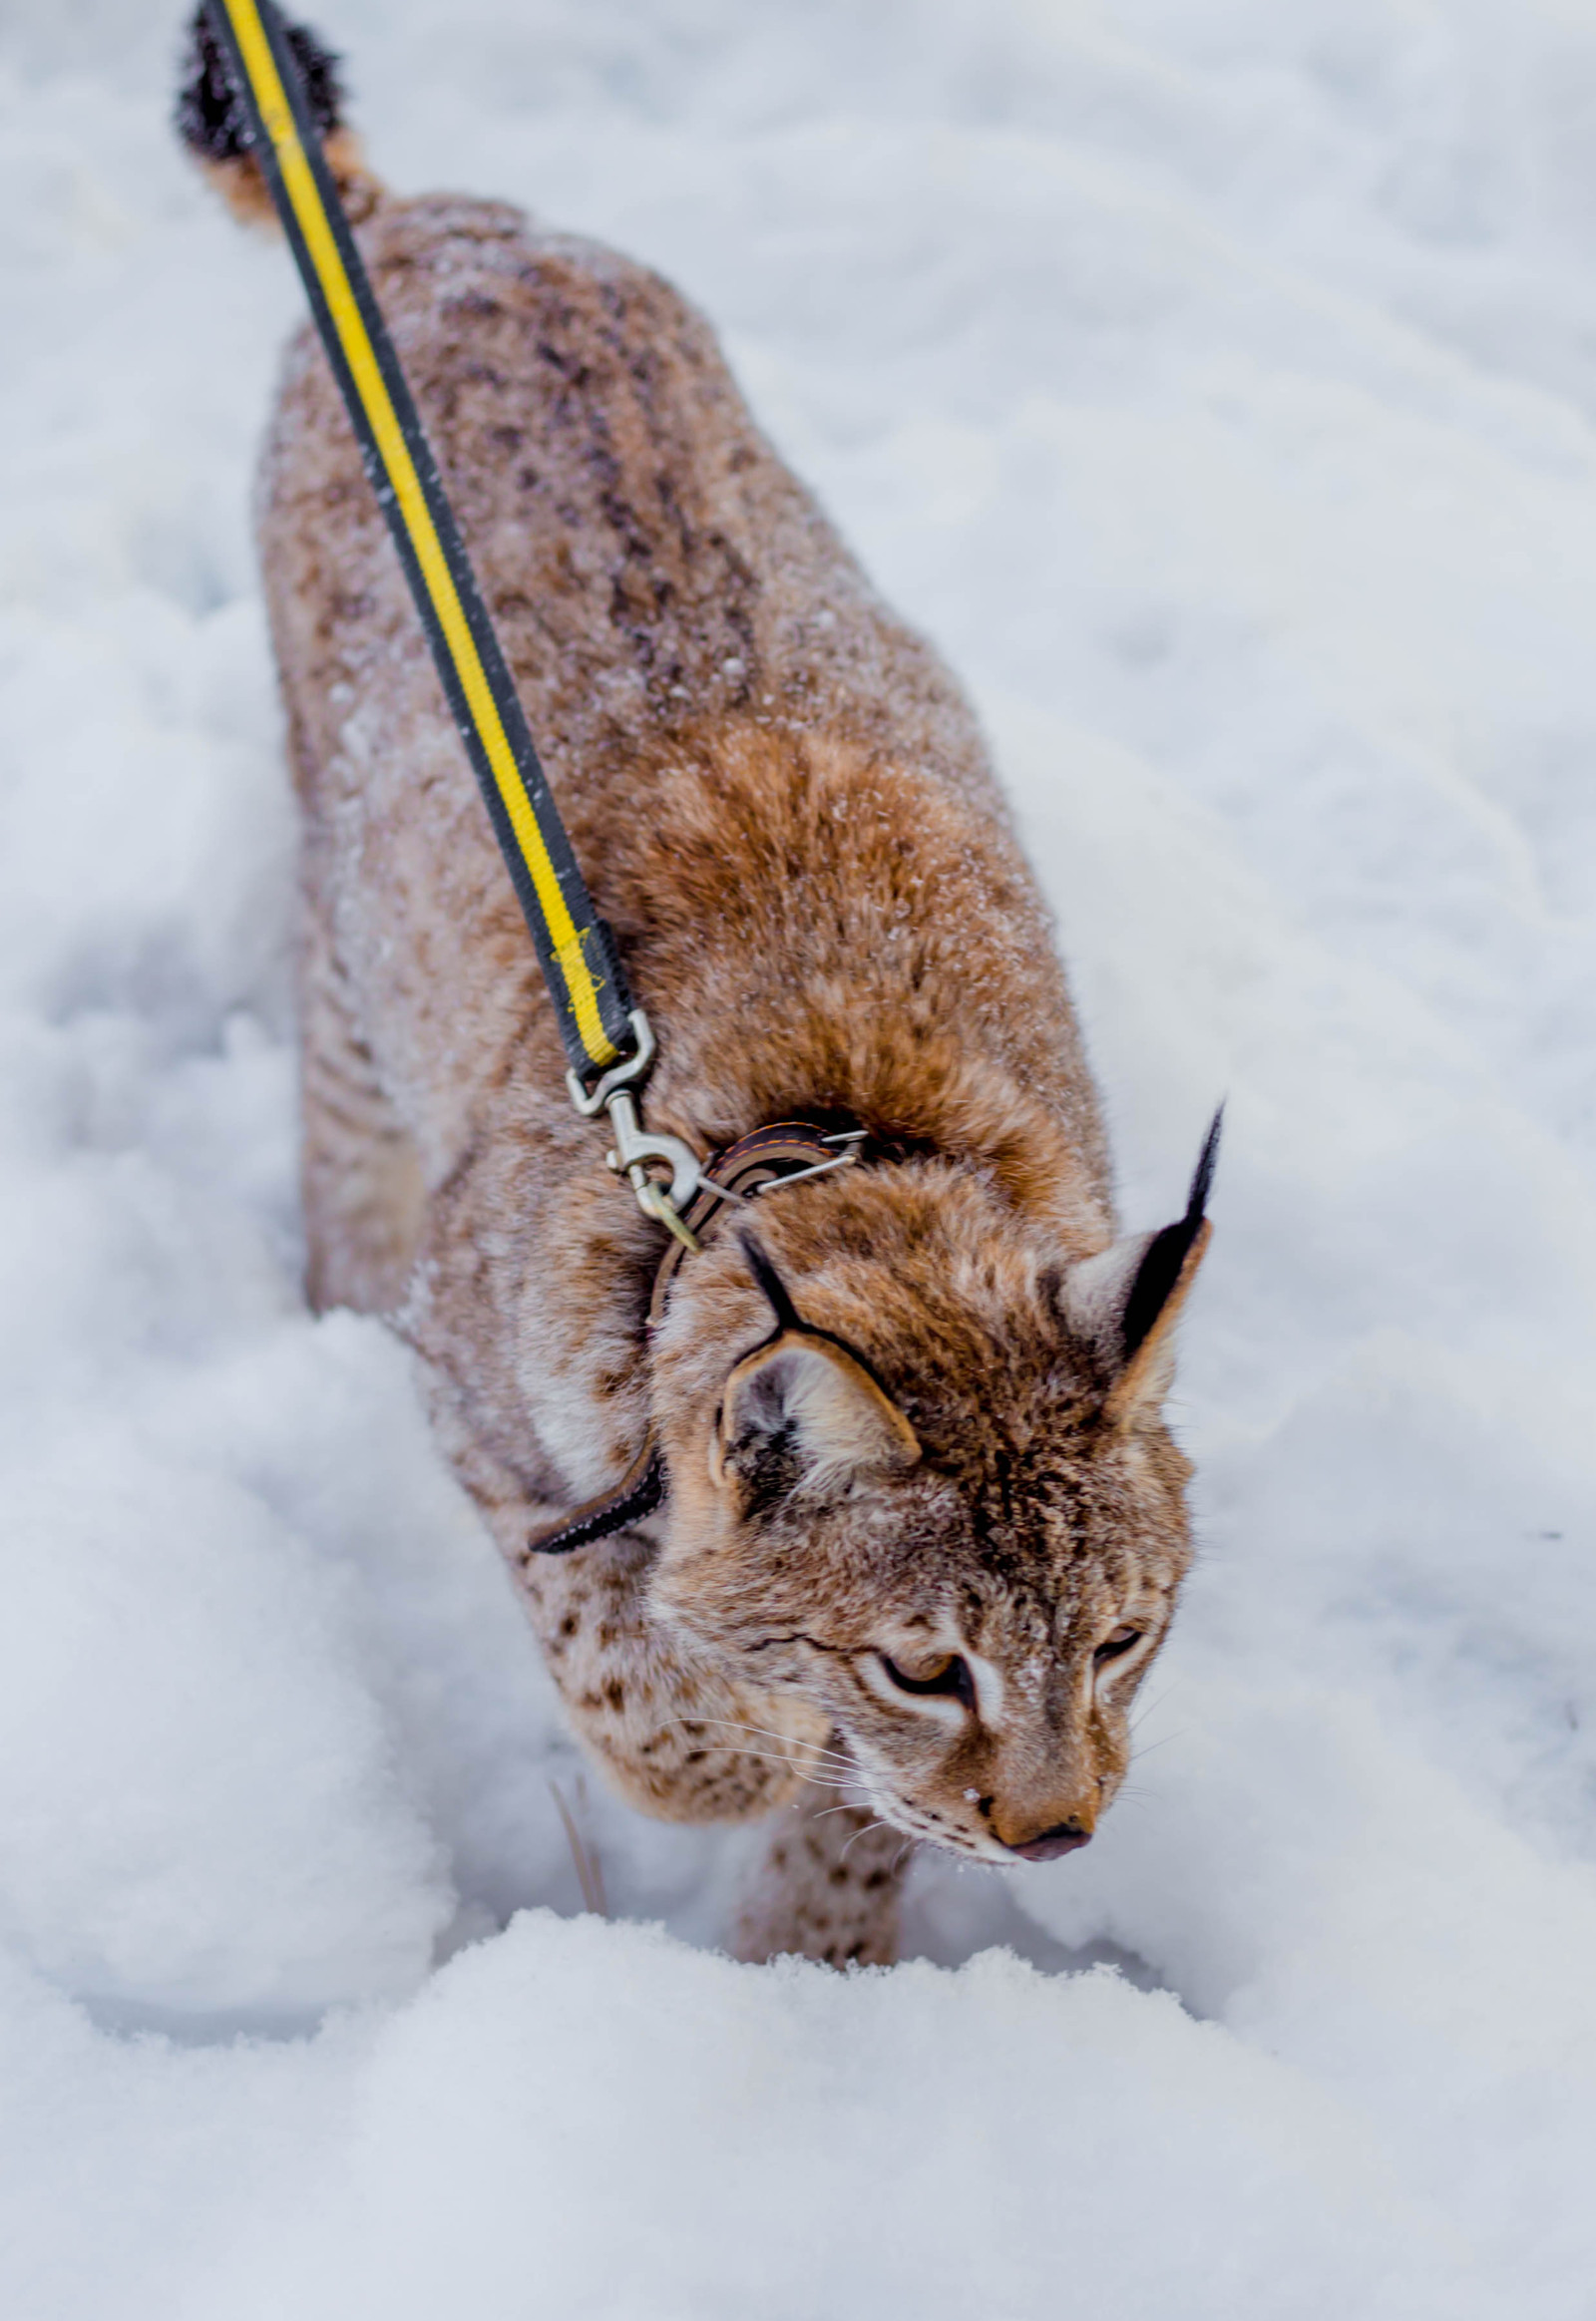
[(574, 944)]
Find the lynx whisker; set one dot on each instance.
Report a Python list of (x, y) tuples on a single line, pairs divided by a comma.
[(1146, 1708), (816, 1781), (836, 1783), (858, 1834), (832, 1756)]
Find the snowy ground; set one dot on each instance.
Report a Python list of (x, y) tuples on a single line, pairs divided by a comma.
[(1216, 379)]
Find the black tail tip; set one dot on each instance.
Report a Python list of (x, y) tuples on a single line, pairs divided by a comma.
[(210, 115)]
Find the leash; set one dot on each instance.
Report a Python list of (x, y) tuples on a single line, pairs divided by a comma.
[(599, 1022), (605, 1034)]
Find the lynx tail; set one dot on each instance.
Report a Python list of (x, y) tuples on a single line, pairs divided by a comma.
[(212, 123)]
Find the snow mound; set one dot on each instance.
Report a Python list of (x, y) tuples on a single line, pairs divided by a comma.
[(1216, 381)]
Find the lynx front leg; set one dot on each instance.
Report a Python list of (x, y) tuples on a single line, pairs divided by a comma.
[(829, 1887)]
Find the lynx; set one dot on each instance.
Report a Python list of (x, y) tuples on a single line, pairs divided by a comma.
[(923, 1525)]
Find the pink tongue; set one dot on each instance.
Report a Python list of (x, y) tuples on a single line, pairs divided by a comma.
[(1051, 1843)]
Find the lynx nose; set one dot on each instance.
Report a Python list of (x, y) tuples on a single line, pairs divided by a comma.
[(1063, 1837)]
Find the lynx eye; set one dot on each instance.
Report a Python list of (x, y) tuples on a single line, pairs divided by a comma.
[(949, 1675), (1119, 1641)]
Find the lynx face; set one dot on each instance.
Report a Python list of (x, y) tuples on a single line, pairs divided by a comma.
[(960, 1550)]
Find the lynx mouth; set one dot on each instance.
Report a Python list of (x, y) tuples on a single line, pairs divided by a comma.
[(1052, 1844), (929, 1827)]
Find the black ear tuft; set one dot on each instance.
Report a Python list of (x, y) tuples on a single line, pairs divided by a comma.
[(1203, 1179), (770, 1282), (210, 115), (1169, 1251)]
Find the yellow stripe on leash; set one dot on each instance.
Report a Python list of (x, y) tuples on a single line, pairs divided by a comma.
[(300, 182)]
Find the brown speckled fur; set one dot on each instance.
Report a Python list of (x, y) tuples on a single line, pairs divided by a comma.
[(784, 809)]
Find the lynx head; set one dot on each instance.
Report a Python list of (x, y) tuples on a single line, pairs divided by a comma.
[(929, 1497)]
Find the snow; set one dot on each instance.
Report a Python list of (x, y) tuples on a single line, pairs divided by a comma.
[(1216, 380)]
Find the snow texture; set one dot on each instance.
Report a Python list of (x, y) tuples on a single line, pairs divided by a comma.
[(1216, 381)]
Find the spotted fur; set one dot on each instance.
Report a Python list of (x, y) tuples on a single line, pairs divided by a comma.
[(954, 1461)]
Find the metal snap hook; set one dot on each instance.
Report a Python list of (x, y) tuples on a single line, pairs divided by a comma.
[(635, 1149)]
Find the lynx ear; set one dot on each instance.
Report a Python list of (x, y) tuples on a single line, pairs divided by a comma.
[(802, 1413), (1125, 1301)]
